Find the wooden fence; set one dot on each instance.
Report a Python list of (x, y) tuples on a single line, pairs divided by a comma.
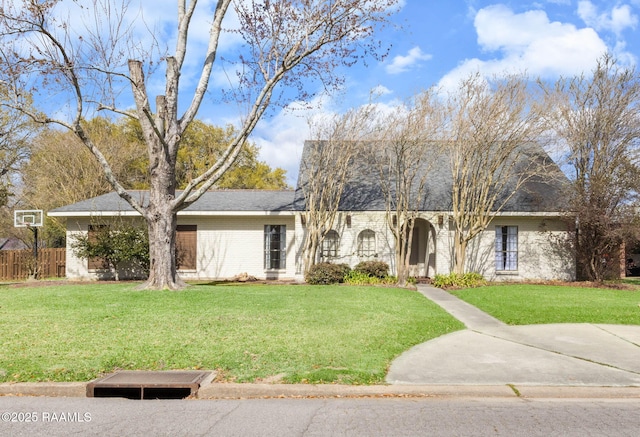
[(14, 264)]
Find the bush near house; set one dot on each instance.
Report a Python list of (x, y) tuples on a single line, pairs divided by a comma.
[(377, 269), (115, 245), (327, 273), (358, 278), (365, 273)]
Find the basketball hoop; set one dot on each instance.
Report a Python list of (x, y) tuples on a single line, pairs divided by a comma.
[(26, 218)]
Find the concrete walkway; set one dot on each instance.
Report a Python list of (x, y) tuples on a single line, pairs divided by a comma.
[(489, 352)]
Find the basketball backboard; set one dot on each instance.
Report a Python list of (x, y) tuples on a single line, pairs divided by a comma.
[(27, 217)]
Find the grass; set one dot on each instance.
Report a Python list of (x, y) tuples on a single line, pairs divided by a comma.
[(322, 334), (525, 304)]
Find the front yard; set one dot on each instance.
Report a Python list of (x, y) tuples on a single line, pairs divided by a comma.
[(295, 333), (248, 333)]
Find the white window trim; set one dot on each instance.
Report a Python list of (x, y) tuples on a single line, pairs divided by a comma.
[(371, 247), (506, 249), (268, 249), (326, 248)]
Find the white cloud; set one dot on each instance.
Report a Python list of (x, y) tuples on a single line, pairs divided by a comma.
[(620, 18), (499, 28), (381, 90), (528, 42), (401, 64)]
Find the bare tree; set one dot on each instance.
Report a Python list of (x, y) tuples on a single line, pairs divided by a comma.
[(406, 149), (596, 119), (490, 125), (285, 43), (16, 132), (325, 170)]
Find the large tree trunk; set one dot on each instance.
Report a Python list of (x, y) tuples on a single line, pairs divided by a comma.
[(162, 222), (163, 273)]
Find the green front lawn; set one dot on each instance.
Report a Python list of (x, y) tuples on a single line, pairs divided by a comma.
[(525, 304), (247, 333)]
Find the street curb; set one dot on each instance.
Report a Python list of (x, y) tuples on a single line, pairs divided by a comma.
[(262, 391), (249, 391), (51, 389), (577, 392)]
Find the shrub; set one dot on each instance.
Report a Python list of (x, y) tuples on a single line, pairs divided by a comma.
[(377, 269), (327, 273), (355, 277), (456, 280), (116, 244), (389, 280), (358, 278)]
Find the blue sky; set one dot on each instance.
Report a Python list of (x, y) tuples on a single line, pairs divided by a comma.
[(439, 42), (432, 42)]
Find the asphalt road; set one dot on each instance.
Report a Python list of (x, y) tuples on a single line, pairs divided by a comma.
[(39, 416)]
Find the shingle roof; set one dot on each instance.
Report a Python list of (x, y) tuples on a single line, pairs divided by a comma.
[(542, 193), (211, 201)]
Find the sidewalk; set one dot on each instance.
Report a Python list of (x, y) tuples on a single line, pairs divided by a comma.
[(489, 352)]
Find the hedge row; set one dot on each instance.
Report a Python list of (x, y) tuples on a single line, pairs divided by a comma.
[(326, 273)]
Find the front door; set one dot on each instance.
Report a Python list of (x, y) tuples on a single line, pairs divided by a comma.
[(422, 259)]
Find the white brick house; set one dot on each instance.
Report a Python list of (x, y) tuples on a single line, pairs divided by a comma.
[(229, 232)]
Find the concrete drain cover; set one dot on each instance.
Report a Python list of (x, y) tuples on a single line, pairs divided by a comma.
[(176, 384)]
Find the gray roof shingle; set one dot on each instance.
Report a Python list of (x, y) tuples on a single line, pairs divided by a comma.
[(211, 201), (542, 193)]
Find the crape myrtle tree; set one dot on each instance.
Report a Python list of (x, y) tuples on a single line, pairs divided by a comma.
[(325, 171), (406, 148), (596, 120), (490, 122), (285, 43)]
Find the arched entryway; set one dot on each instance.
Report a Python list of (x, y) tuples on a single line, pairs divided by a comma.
[(423, 250)]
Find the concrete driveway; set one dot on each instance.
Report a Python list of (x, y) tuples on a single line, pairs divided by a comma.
[(489, 352)]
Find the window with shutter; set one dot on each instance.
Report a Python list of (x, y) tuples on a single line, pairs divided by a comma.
[(96, 263), (186, 247)]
